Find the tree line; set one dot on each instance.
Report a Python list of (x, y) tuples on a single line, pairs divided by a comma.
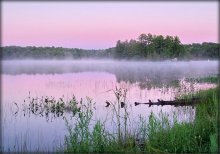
[(17, 52), (150, 47), (146, 46)]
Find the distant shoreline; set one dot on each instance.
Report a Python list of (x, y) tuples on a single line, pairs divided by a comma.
[(146, 47)]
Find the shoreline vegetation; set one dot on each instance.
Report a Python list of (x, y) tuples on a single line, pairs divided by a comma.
[(155, 134), (159, 135), (145, 47)]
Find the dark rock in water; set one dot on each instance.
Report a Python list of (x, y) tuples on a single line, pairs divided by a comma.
[(122, 104), (107, 104)]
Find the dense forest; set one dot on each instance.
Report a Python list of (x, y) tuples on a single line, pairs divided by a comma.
[(159, 47), (146, 46)]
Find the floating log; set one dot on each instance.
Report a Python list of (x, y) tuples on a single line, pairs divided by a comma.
[(178, 102)]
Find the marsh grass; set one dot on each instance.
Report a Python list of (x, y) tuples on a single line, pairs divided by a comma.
[(83, 139), (208, 79), (49, 107), (199, 136), (154, 135)]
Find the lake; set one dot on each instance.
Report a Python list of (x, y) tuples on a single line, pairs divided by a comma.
[(93, 78)]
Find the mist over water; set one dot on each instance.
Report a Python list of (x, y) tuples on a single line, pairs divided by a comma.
[(137, 68), (93, 78)]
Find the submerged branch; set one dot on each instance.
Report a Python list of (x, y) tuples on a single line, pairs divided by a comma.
[(178, 102)]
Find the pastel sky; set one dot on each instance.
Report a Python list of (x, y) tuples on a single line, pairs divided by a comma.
[(98, 25)]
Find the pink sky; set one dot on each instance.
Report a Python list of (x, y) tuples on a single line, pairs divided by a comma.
[(99, 25)]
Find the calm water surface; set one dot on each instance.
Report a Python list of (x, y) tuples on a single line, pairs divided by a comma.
[(93, 78)]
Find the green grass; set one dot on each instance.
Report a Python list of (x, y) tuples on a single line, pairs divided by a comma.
[(209, 79), (159, 135), (200, 136), (83, 139)]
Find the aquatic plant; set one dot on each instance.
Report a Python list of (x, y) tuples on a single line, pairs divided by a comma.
[(155, 134), (187, 137), (158, 134), (49, 106)]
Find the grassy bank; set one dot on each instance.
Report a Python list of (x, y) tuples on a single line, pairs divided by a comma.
[(197, 137), (158, 135), (209, 79)]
